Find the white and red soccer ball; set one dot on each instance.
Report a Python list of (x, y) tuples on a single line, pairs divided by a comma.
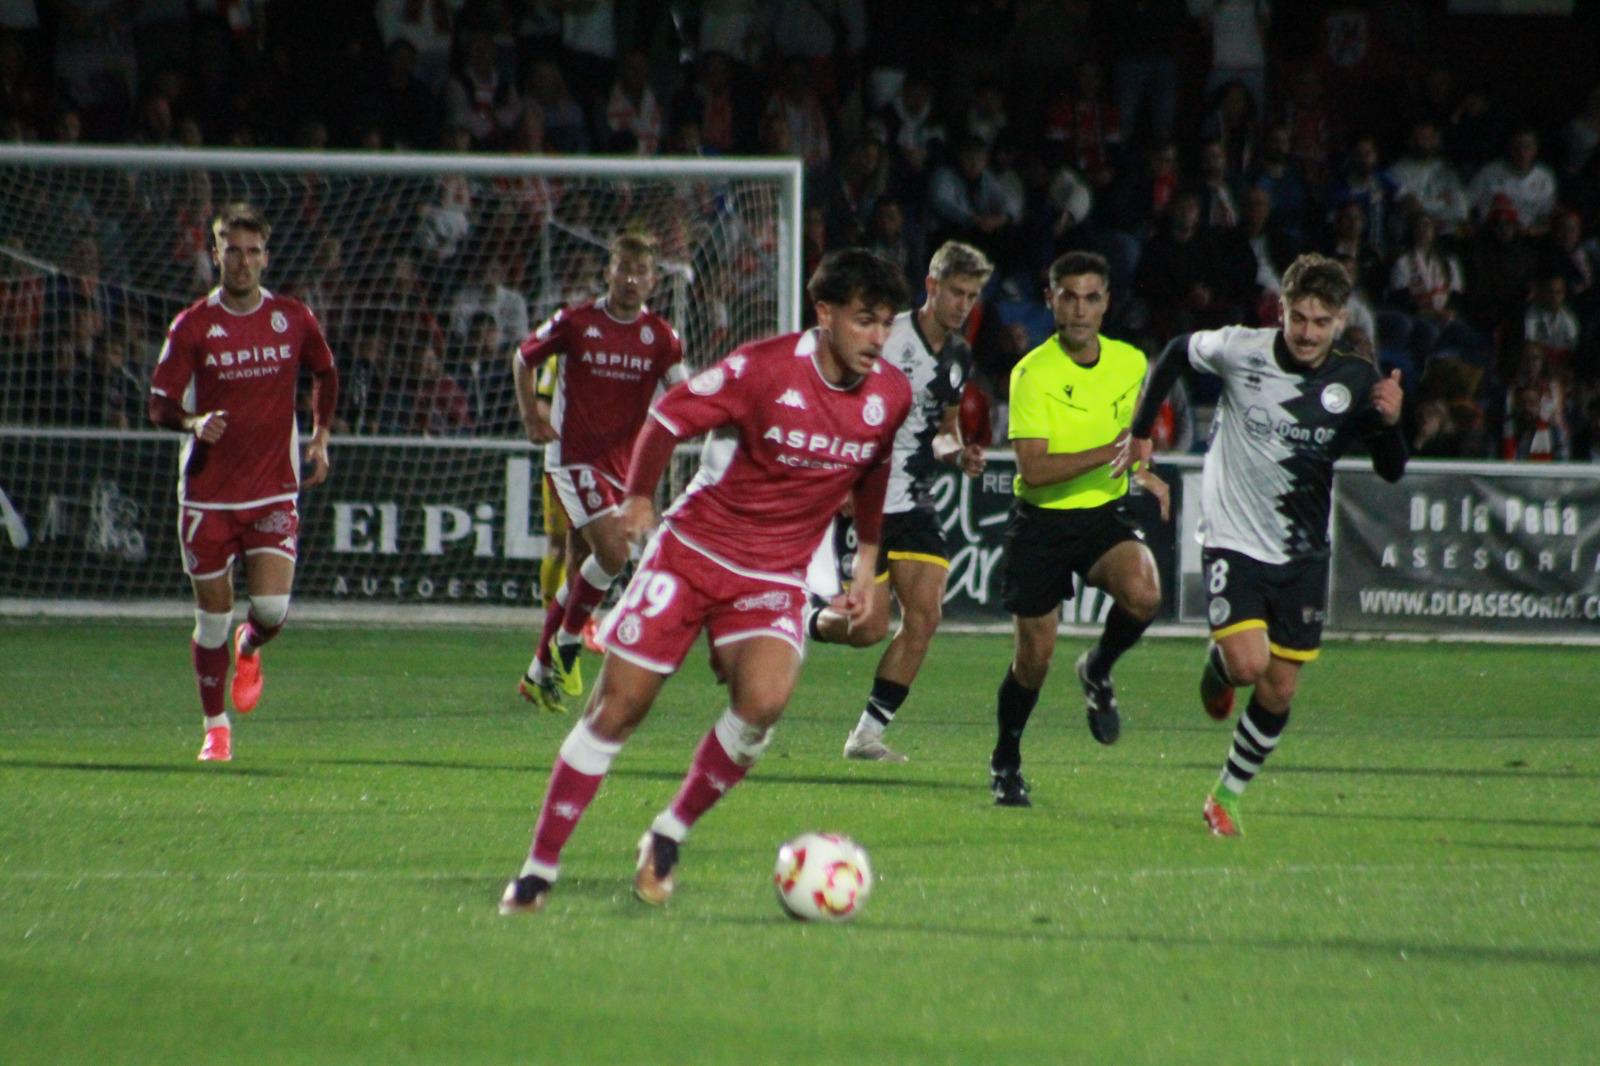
[(822, 877)]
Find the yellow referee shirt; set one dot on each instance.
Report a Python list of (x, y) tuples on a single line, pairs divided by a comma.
[(1073, 409)]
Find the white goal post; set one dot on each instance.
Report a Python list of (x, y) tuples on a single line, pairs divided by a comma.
[(421, 267)]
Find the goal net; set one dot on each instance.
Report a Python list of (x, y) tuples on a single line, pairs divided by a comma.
[(425, 271)]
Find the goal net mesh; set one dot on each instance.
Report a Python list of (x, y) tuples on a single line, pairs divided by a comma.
[(420, 271)]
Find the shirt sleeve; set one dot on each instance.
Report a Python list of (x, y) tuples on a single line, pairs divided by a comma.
[(315, 355), (712, 398), (1208, 350), (175, 367), (1028, 417), (549, 339)]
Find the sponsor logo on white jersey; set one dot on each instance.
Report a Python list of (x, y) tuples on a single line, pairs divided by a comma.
[(593, 332), (791, 398), (216, 331), (873, 413), (1335, 399), (646, 334), (280, 322)]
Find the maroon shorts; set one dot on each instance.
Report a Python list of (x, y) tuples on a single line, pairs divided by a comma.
[(213, 538), (585, 493), (677, 591)]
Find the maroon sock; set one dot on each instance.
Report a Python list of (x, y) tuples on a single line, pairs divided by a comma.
[(582, 599), (553, 614), (210, 674), (710, 775), (256, 634), (568, 796)]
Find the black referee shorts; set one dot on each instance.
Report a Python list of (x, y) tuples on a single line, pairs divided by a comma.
[(1045, 547)]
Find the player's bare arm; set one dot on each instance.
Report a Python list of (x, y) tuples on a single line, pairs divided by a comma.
[(639, 518), (324, 402), (948, 447), (1165, 374), (857, 602), (1039, 466)]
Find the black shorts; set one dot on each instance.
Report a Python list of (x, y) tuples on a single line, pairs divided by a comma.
[(913, 535), (1288, 600), (1046, 546)]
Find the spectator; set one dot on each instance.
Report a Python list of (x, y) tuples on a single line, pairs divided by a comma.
[(632, 111), (986, 115), (1234, 123), (1528, 184), (1219, 200), (487, 293), (1259, 250), (1277, 174), (478, 97), (399, 105), (1425, 181), (1447, 430), (967, 202), (1535, 428), (915, 137), (1238, 31), (1350, 239), (1583, 135), (1500, 267), (1550, 323), (1575, 260), (479, 363), (1363, 183), (854, 192), (889, 236), (722, 130), (440, 407), (361, 384), (1181, 277), (427, 26), (797, 100), (1144, 37), (565, 129), (1424, 280), (827, 38)]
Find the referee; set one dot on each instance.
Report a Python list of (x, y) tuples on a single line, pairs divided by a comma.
[(1072, 399)]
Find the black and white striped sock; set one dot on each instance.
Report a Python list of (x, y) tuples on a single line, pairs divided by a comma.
[(1254, 738)]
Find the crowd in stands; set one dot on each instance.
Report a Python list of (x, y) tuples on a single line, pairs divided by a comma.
[(1198, 144)]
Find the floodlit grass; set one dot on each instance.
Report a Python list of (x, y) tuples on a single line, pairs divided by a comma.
[(1420, 881)]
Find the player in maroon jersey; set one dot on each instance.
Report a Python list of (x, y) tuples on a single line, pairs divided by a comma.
[(226, 380), (814, 416), (614, 356)]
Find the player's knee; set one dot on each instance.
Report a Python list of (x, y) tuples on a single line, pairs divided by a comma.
[(597, 573), (1244, 668), (1143, 601), (742, 739), (269, 611), (211, 628), (920, 622)]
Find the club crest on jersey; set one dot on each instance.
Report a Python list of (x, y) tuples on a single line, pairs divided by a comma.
[(707, 382), (628, 631), (646, 334), (872, 413), (1219, 611), (280, 322), (1335, 399)]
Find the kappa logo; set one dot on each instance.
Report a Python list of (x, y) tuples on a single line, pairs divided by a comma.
[(216, 331), (791, 398), (592, 333), (785, 623)]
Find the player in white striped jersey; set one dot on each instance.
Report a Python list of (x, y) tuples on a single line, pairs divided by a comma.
[(1291, 405), (927, 344)]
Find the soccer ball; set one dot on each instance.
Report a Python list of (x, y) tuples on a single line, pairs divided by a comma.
[(822, 877)]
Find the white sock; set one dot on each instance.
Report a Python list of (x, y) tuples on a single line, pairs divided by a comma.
[(567, 640), (219, 722), (536, 669), (869, 728)]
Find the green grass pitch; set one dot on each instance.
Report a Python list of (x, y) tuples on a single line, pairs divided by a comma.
[(1420, 881)]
